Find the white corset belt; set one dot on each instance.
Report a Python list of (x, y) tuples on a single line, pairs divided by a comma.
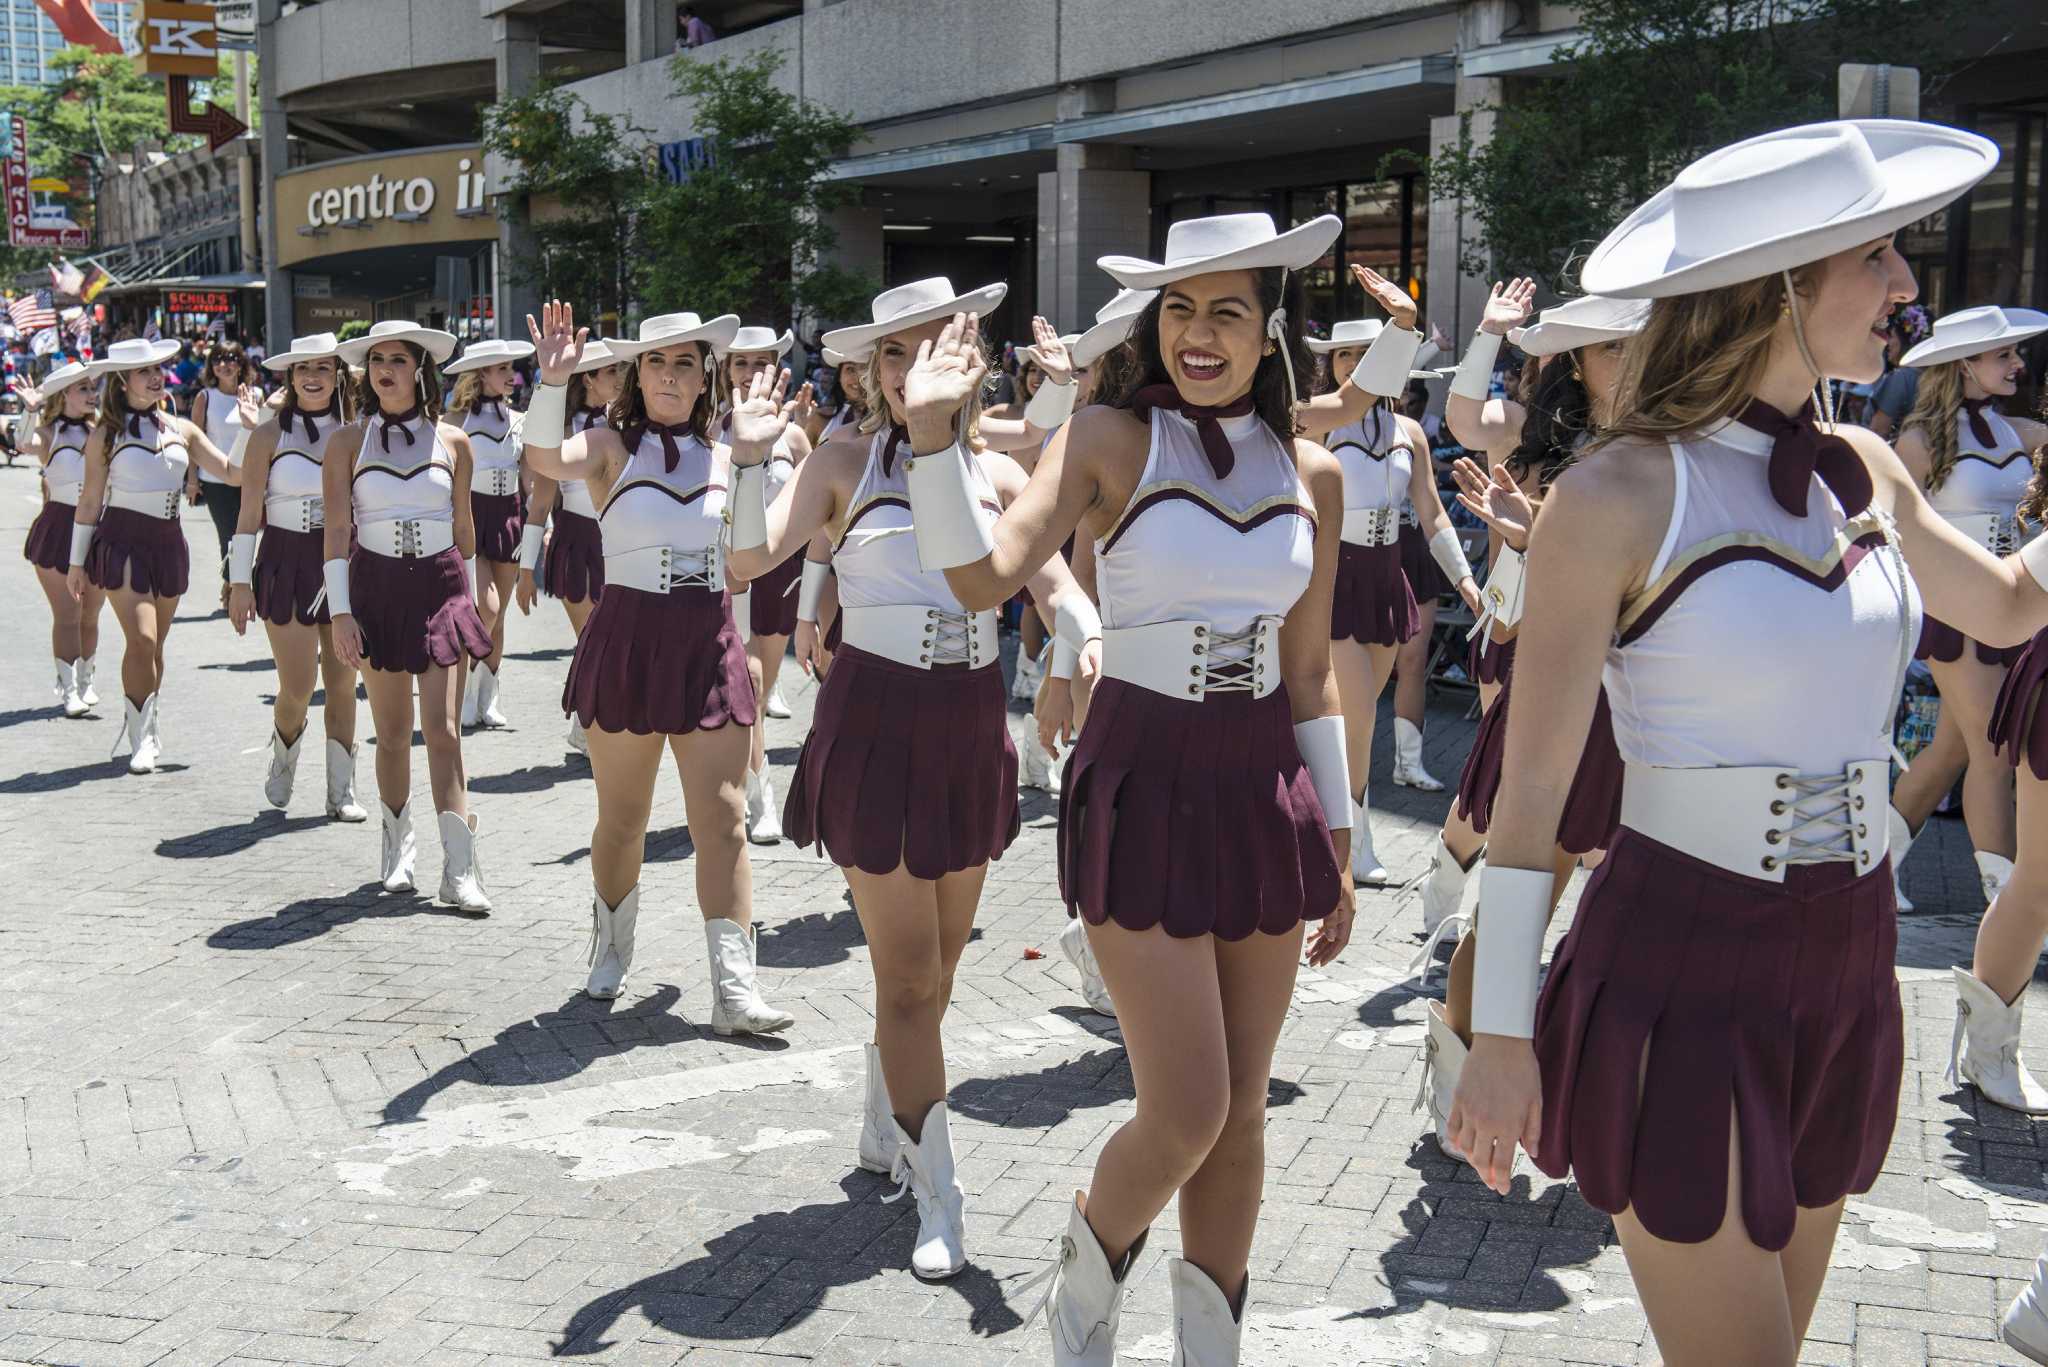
[(1754, 821), (920, 636), (494, 479), (1995, 532), (157, 503), (665, 569), (1193, 659), (407, 538), (65, 493), (294, 514), (1372, 526)]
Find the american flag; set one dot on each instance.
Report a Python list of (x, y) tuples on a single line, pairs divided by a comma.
[(33, 311)]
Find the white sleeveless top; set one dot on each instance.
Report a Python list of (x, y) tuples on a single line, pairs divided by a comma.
[(1377, 461), (1984, 482), (575, 494), (841, 420), (65, 469), (1192, 547), (493, 445), (1763, 638), (222, 426), (151, 464), (295, 464), (876, 556), (683, 509), (410, 482)]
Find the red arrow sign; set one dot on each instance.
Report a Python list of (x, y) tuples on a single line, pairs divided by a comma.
[(219, 126)]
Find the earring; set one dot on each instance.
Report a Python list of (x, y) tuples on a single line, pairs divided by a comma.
[(1270, 349)]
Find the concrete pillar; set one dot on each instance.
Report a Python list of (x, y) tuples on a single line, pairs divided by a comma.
[(516, 43), (1456, 299), (277, 293), (650, 30), (1091, 205)]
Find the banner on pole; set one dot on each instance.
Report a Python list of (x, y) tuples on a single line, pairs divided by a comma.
[(30, 224)]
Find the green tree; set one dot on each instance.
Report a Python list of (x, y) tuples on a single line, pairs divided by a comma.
[(584, 181), (1652, 85), (748, 232)]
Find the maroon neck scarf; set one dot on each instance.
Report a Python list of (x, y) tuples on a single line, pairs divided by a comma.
[(306, 416), (1800, 450), (1222, 459), (898, 436), (671, 454), (82, 424), (1980, 426), (396, 423)]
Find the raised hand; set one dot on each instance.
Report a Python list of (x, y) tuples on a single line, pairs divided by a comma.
[(1053, 357), (1388, 295), (947, 373), (1509, 305), (249, 406), (557, 341), (1495, 500), (806, 404), (760, 416), (31, 397)]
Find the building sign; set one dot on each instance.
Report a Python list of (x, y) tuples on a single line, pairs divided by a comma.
[(29, 222), (178, 40), (680, 160), (234, 24), (199, 301), (402, 200)]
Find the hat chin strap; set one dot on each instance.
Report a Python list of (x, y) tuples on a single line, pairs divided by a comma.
[(1824, 399), (1276, 329)]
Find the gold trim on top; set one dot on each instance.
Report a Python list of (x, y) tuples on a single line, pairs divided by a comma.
[(1205, 495), (1852, 531)]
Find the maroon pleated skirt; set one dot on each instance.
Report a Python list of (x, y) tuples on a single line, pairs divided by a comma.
[(906, 766), (771, 599), (1592, 809), (1942, 642), (1425, 577), (499, 520), (1198, 816), (415, 614), (2016, 716), (573, 568), (660, 664), (1774, 1002), (135, 550), (287, 577), (1373, 604), (49, 538), (1489, 661)]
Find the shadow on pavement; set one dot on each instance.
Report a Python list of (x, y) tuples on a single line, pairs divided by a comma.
[(535, 778), (56, 780), (806, 1252), (27, 714), (235, 837), (261, 665), (812, 940), (662, 847), (316, 916)]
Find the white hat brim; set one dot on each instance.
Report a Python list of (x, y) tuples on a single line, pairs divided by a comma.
[(1103, 338), (1291, 250), (834, 357), (285, 360), (436, 343), (1932, 352), (780, 346), (717, 333), (159, 352), (596, 353), (856, 342), (56, 382), (1553, 339), (504, 351), (1921, 167), (1323, 346)]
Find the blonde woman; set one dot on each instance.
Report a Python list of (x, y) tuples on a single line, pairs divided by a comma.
[(481, 404), (58, 418)]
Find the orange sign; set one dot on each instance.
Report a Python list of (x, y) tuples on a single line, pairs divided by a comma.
[(177, 39)]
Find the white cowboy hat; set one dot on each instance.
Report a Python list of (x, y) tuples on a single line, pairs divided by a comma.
[(1067, 340), (596, 353), (836, 359), (320, 344), (673, 329), (1114, 323), (488, 353), (1586, 321), (1972, 332), (134, 354), (1226, 242), (1355, 332), (760, 339), (63, 377), (1785, 199), (436, 343), (912, 305)]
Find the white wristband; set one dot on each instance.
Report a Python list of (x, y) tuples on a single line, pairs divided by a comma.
[(1075, 621), (529, 545), (239, 448), (1065, 660), (2034, 555), (475, 588), (1449, 554), (944, 511), (544, 414), (743, 613), (334, 573), (1503, 598), (1052, 405), (1514, 910), (810, 589), (1321, 742), (241, 557), (749, 506), (81, 541), (1383, 370), (1474, 379)]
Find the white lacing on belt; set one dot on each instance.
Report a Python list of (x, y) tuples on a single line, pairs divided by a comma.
[(1227, 660), (697, 569), (1409, 517), (1824, 822), (949, 636), (2005, 536)]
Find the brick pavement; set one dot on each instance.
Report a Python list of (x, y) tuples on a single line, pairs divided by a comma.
[(252, 1112)]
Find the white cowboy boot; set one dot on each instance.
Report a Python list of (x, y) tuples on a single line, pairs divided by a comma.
[(1443, 1058), (341, 783), (2026, 1320), (284, 769), (1901, 841), (877, 1151), (1408, 770), (488, 693), (1443, 890), (471, 687), (88, 667), (1055, 774), (1366, 869), (394, 868), (1206, 1327), (777, 705), (1086, 1298), (1024, 686), (578, 739), (67, 688), (141, 735), (924, 1168), (1036, 770), (764, 822), (1986, 1047), (736, 1005), (462, 879), (1094, 991), (1994, 871), (611, 943)]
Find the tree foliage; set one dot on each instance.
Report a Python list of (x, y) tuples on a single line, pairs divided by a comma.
[(1652, 85)]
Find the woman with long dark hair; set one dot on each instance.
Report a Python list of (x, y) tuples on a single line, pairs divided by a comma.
[(395, 492), (59, 418), (135, 551), (215, 406), (481, 403), (278, 578)]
